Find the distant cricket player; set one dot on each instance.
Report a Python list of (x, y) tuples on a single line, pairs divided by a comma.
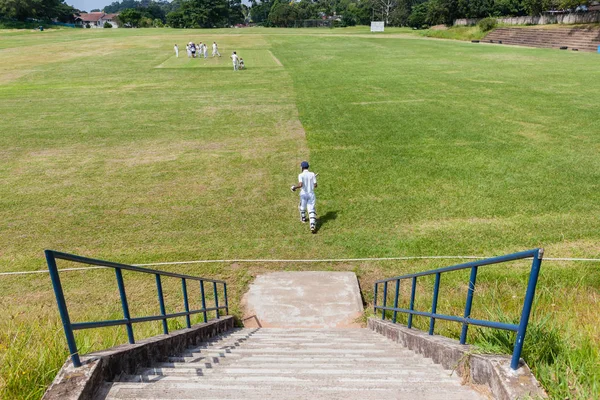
[(205, 50), (215, 51), (307, 182), (235, 59), (176, 51)]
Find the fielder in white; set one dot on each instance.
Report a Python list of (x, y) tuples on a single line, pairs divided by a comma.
[(176, 51), (307, 182), (215, 51), (235, 59)]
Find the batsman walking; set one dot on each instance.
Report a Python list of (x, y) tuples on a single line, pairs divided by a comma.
[(307, 182)]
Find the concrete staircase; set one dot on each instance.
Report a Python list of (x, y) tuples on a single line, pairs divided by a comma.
[(273, 363), (581, 38)]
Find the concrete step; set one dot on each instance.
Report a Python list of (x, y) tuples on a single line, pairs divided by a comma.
[(293, 364), (440, 392), (389, 371), (353, 381), (583, 40), (290, 366)]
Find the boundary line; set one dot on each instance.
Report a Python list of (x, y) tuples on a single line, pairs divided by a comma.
[(325, 260)]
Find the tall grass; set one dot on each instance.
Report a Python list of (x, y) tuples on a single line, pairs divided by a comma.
[(455, 33), (31, 354), (568, 367)]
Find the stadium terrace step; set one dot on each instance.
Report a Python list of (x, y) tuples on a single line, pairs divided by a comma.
[(583, 39), (286, 364)]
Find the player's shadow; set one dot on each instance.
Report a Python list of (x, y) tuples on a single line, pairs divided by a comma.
[(328, 216)]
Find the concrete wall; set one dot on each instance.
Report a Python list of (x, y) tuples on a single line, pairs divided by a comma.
[(546, 19), (479, 369), (83, 382)]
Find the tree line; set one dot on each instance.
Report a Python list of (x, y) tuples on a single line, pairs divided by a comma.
[(414, 13), (22, 10), (178, 13), (285, 13)]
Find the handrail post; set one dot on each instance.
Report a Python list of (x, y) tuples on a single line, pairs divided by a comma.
[(375, 298), (226, 300), (62, 308), (412, 301), (385, 285), (527, 304), (124, 304), (468, 304), (396, 299), (216, 298), (186, 303), (161, 302), (436, 289), (203, 301)]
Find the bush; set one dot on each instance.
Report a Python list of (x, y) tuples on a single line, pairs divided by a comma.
[(487, 24), (418, 16), (158, 23), (107, 24), (145, 22)]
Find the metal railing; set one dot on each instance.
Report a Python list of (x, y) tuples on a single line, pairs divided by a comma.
[(466, 320), (128, 321)]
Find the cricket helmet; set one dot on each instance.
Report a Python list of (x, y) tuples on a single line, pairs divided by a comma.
[(304, 165)]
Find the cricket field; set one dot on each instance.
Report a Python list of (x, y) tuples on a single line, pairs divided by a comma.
[(112, 148)]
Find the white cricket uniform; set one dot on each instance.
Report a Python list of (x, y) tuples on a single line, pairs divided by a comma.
[(205, 51), (234, 58), (215, 50), (176, 51), (307, 195)]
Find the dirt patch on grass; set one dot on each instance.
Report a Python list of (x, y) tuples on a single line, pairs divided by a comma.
[(12, 75)]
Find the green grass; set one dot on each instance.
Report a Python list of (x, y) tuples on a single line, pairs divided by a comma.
[(112, 148)]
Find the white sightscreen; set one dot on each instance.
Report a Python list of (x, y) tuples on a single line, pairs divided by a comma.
[(377, 26)]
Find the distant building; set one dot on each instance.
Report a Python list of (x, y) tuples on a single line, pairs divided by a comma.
[(96, 20)]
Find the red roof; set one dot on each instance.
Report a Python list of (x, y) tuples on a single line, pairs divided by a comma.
[(91, 17), (109, 16)]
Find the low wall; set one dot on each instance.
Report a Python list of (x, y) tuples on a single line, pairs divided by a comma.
[(81, 383), (546, 19), (489, 370)]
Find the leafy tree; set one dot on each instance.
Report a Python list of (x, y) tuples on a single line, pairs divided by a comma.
[(130, 17), (115, 7), (282, 15), (107, 25), (442, 12), (235, 12), (175, 19), (418, 15), (259, 12), (38, 9), (96, 10)]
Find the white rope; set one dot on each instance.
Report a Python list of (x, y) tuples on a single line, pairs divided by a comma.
[(45, 271), (327, 260)]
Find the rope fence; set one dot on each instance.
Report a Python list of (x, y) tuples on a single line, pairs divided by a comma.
[(323, 260)]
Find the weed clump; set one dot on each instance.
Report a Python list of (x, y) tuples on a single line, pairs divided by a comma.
[(487, 24)]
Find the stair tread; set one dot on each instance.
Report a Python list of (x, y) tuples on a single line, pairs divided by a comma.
[(293, 364)]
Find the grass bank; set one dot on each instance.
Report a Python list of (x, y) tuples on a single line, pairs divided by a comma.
[(455, 33)]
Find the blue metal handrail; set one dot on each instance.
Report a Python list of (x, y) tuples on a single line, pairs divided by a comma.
[(128, 321), (521, 328)]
